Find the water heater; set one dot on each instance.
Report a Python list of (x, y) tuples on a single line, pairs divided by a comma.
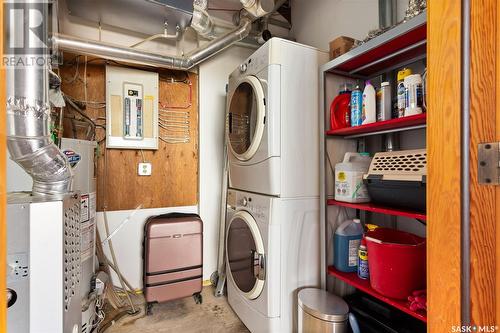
[(80, 154)]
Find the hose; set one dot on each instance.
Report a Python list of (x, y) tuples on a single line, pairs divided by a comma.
[(117, 270), (112, 321), (110, 242)]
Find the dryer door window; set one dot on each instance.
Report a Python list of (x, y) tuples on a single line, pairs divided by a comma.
[(245, 255), (246, 118)]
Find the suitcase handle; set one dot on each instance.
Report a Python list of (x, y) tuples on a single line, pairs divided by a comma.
[(258, 265)]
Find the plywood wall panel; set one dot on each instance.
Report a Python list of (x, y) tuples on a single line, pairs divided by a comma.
[(174, 179)]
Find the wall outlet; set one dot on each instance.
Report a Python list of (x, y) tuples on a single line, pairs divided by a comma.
[(144, 169)]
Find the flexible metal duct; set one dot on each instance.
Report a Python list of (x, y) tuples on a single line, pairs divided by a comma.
[(127, 54), (28, 115)]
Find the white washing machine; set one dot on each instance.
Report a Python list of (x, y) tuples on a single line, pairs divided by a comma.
[(272, 251), (272, 119)]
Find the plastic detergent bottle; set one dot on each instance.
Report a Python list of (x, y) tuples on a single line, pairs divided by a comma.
[(340, 109), (413, 94), (349, 186), (369, 104), (356, 105), (401, 93), (346, 244), (384, 109)]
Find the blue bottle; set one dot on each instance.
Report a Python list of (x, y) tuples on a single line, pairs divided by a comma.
[(346, 245), (356, 106)]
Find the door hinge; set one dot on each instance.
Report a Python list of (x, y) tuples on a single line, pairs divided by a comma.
[(489, 163)]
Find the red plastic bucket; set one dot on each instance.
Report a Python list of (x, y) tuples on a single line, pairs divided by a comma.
[(396, 260)]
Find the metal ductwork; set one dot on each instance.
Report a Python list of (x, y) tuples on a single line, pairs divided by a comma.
[(28, 113), (130, 55), (254, 9)]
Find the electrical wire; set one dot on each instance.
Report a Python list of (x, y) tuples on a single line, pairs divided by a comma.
[(85, 81), (188, 103), (91, 123), (77, 72), (113, 321)]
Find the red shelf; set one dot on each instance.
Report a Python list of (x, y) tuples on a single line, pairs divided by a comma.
[(387, 125), (364, 285), (370, 207), (399, 45)]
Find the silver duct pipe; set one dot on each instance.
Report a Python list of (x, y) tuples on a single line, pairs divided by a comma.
[(127, 54), (28, 116)]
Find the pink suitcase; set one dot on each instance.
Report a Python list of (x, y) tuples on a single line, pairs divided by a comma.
[(173, 258)]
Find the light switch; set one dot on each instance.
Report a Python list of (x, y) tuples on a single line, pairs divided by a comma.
[(144, 169)]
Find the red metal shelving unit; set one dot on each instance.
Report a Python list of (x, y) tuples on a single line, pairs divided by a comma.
[(371, 207), (364, 285), (398, 47), (391, 125)]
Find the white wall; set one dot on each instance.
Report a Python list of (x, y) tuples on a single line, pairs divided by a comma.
[(213, 76), (317, 22)]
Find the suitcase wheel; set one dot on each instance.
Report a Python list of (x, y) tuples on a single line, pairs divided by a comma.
[(197, 298), (148, 309)]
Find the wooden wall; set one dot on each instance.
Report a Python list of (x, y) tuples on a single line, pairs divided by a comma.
[(174, 179)]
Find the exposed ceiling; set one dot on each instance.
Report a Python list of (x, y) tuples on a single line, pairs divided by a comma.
[(149, 16)]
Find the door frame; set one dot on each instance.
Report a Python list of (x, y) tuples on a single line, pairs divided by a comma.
[(463, 101)]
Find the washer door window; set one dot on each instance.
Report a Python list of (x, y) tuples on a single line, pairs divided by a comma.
[(245, 255), (246, 118)]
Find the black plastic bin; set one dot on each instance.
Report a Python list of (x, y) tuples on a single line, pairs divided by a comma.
[(398, 179), (397, 193)]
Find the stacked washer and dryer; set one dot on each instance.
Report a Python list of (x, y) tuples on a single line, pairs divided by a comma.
[(272, 225)]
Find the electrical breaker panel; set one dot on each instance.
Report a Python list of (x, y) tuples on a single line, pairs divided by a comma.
[(131, 108)]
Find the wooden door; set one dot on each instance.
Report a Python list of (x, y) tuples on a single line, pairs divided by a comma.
[(447, 276)]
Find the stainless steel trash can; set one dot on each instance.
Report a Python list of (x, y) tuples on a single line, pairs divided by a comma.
[(321, 312)]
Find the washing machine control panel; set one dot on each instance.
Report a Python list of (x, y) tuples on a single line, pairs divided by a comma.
[(255, 208)]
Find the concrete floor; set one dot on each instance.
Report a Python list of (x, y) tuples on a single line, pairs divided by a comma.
[(184, 315)]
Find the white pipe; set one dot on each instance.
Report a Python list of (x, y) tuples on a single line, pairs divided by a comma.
[(127, 54)]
